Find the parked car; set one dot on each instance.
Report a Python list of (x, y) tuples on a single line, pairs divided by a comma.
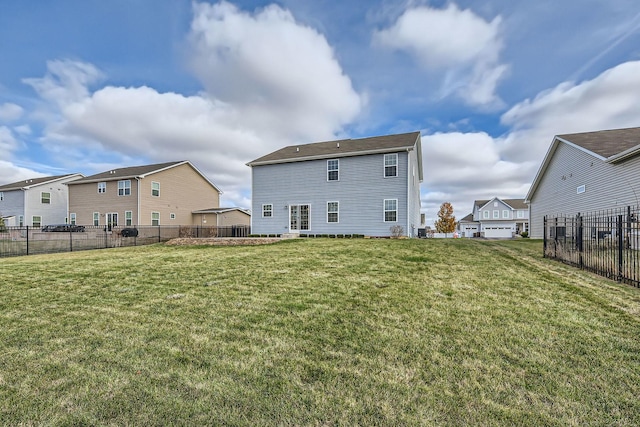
[(63, 228)]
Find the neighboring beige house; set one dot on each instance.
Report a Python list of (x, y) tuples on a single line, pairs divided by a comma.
[(222, 217), (159, 194)]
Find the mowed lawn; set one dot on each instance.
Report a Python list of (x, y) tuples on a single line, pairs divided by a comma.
[(316, 332)]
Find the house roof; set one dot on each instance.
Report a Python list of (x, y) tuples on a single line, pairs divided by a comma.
[(468, 218), (610, 146), (344, 148), (28, 183), (513, 203), (606, 144), (222, 210), (138, 172)]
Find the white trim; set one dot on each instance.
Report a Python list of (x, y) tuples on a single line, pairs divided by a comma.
[(384, 209), (384, 166), (337, 212), (333, 170)]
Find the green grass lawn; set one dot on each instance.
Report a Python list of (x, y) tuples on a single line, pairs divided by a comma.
[(316, 332)]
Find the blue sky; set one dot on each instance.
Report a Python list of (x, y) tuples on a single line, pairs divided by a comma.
[(89, 85)]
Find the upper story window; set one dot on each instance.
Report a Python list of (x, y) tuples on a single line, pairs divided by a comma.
[(267, 211), (124, 187), (520, 214), (496, 214), (505, 214), (390, 165), (102, 187), (581, 189), (485, 214), (333, 170), (155, 189), (1, 196), (45, 198)]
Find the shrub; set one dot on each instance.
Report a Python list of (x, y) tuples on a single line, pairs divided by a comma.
[(524, 234), (396, 231)]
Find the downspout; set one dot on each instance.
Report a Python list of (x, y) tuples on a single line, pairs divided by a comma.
[(138, 207), (409, 193)]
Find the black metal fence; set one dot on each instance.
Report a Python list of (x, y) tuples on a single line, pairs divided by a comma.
[(16, 241), (605, 242)]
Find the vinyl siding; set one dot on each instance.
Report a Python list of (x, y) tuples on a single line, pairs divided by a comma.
[(607, 186), (84, 200), (360, 191), (13, 204), (54, 212), (182, 191)]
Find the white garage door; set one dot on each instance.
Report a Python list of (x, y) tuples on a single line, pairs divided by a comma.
[(497, 232)]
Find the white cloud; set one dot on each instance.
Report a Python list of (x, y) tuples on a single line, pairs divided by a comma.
[(463, 167), (269, 82), (458, 42), (8, 143), (67, 81), (9, 172), (284, 76), (10, 112), (609, 101)]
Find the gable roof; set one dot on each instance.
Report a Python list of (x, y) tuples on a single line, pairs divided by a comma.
[(512, 203), (344, 148), (28, 183), (138, 172), (222, 210), (610, 146), (468, 218)]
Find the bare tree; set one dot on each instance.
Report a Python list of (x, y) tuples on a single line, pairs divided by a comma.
[(446, 222)]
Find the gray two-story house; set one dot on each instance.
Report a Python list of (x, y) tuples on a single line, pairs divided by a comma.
[(586, 172), (368, 186), (496, 218)]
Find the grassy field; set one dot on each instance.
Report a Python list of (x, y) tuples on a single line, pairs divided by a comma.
[(316, 332)]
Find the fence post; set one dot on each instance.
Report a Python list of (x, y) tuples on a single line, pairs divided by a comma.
[(555, 240), (579, 238), (159, 235), (27, 240), (544, 237), (620, 242), (70, 240)]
